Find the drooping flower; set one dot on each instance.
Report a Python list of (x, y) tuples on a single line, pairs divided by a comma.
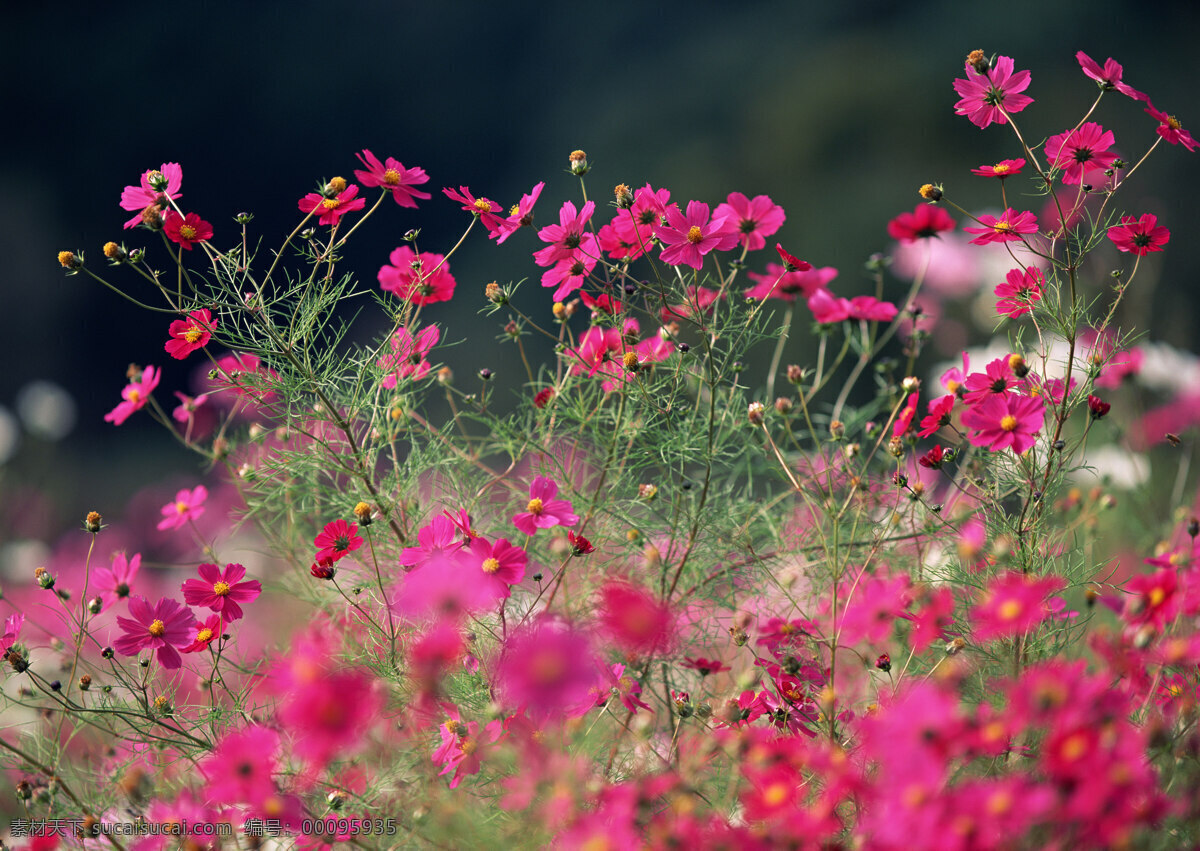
[(1083, 154), (1002, 169), (136, 394), (1139, 236), (1109, 77), (189, 335), (1019, 291), (1006, 228), (330, 210), (1168, 127), (137, 198), (115, 583), (543, 510), (186, 230), (407, 358), (421, 279), (488, 211), (688, 238), (924, 221), (752, 220), (187, 506), (984, 98), (1013, 604), (221, 590), (12, 632), (784, 284), (1005, 420), (163, 627), (337, 540), (393, 176), (905, 417)]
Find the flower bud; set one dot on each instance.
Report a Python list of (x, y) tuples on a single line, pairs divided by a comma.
[(495, 293), (85, 682), (152, 218), (157, 180), (92, 523), (362, 511), (107, 653), (44, 578), (738, 636), (579, 163), (851, 450), (114, 252), (485, 374), (1097, 407), (896, 447), (930, 192), (795, 374), (445, 376), (95, 605), (624, 196), (837, 429), (910, 384), (783, 405), (755, 413), (335, 186), (68, 260), (630, 362), (978, 61), (559, 310), (162, 705), (323, 569)]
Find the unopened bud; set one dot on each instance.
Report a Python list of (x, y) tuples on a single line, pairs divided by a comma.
[(896, 447), (495, 293), (68, 260), (755, 413), (92, 523), (647, 492), (362, 511), (85, 682), (978, 61), (837, 429), (910, 384), (783, 405), (114, 252), (335, 186), (1017, 364), (95, 605), (930, 192), (624, 196), (579, 163)]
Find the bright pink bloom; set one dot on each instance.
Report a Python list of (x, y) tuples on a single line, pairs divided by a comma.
[(1153, 598), (488, 211), (790, 262), (1005, 420), (930, 621), (566, 237), (1002, 169), (221, 590), (245, 375), (421, 279), (163, 628), (500, 565), (603, 303), (330, 711), (686, 239), (1082, 154), (459, 751), (634, 619), (447, 586), (1168, 127), (439, 537), (138, 198), (521, 215), (330, 210), (753, 220), (939, 416), (1013, 604), (543, 510), (242, 767), (629, 234), (870, 309), (984, 98), (547, 667), (337, 540), (188, 335), (205, 633), (136, 395), (1109, 77), (569, 273), (924, 221), (696, 301), (391, 175), (1016, 296), (1007, 228), (115, 583), (407, 358), (953, 378), (997, 377), (784, 284), (187, 506), (827, 308), (186, 230), (1139, 236), (12, 632), (905, 417)]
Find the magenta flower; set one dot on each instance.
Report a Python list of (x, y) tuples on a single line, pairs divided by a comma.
[(543, 510), (187, 506), (827, 308), (1083, 153), (487, 210), (205, 633), (1168, 127), (188, 335), (12, 632), (1007, 228), (870, 309), (924, 221), (635, 620), (222, 590), (329, 210), (752, 220), (1109, 77), (521, 215), (569, 273), (138, 198), (186, 230), (136, 395), (407, 358), (686, 239), (1021, 288), (786, 283), (337, 540), (392, 176), (1005, 420), (114, 583), (501, 565), (940, 410), (548, 668), (1013, 604), (421, 279), (242, 766), (629, 234), (163, 628), (1002, 169), (244, 374), (1139, 236), (566, 237), (997, 377), (439, 537), (986, 97)]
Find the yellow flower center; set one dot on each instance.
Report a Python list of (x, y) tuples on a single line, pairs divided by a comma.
[(205, 634), (331, 203), (187, 231), (1156, 596), (1000, 802), (775, 794), (467, 745), (535, 506), (157, 628), (695, 234), (491, 565), (193, 334), (1001, 168), (483, 205), (452, 725), (1074, 747), (1173, 122), (181, 507), (1003, 226), (221, 589), (391, 177), (135, 395), (1009, 423), (1009, 610)]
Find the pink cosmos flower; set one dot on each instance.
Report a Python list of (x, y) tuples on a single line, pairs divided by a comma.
[(1005, 420), (1168, 127), (696, 300), (138, 198), (1083, 154), (1002, 169), (459, 751), (997, 377), (521, 215), (421, 279), (191, 334), (634, 619), (1007, 228), (1109, 77), (939, 415), (1013, 604), (547, 667), (487, 210), (543, 510), (566, 237), (790, 262), (163, 628), (1019, 291), (187, 506), (12, 632), (924, 221), (329, 712), (686, 239), (569, 273), (330, 210), (407, 358), (629, 234), (205, 633), (986, 97), (437, 538), (870, 309), (186, 230), (136, 395), (447, 586), (786, 285), (930, 621), (221, 590), (1139, 236), (337, 540), (500, 565), (245, 375), (905, 417), (114, 583), (242, 767), (752, 220), (827, 308), (391, 175)]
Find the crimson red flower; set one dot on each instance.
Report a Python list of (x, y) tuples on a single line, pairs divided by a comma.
[(1002, 169), (1019, 291), (188, 335), (687, 238), (1139, 236), (924, 221), (792, 264), (1168, 127), (1005, 420), (1083, 153), (186, 230), (329, 210), (986, 97), (205, 633), (934, 457), (1109, 77), (162, 628), (939, 415), (543, 397), (391, 175), (1007, 228), (323, 569), (221, 590), (580, 545), (1097, 407), (337, 540)]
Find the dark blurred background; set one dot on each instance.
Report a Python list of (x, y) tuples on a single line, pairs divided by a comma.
[(837, 110)]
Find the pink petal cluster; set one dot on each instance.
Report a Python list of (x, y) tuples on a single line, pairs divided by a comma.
[(688, 238), (186, 507), (984, 98), (407, 358), (190, 334), (417, 278), (392, 176), (138, 198), (162, 627), (753, 220), (222, 591), (544, 511), (330, 209), (136, 394)]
